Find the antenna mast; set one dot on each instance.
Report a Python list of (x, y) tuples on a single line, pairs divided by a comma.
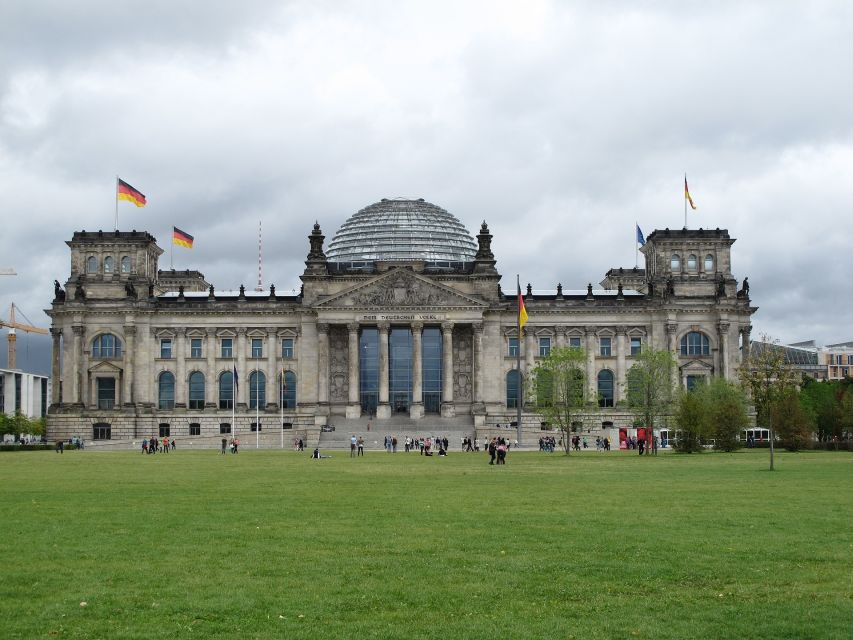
[(260, 261)]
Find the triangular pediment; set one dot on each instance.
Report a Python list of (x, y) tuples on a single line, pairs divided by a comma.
[(696, 366), (400, 289), (104, 367)]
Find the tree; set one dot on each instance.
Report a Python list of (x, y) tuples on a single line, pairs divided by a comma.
[(557, 383), (725, 413), (690, 417), (650, 390), (766, 376), (824, 401), (792, 422)]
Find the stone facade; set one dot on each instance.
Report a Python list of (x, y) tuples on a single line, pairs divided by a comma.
[(135, 358)]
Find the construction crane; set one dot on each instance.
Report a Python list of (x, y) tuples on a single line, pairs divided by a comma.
[(12, 338)]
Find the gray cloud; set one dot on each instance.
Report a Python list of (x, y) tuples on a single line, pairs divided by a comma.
[(561, 124)]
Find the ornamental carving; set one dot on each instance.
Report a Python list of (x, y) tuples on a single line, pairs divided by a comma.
[(401, 290), (462, 364), (338, 363)]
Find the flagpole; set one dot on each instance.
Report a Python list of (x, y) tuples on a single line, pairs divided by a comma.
[(257, 405), (281, 407), (520, 397), (233, 400), (116, 198), (636, 242), (685, 199)]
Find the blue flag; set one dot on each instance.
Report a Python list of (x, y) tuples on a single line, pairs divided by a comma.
[(640, 237)]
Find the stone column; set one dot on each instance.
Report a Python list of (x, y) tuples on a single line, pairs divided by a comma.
[(591, 380), (384, 408), (723, 330), (353, 388), (478, 391), (745, 331), (242, 378), (619, 393), (448, 409), (128, 395), (210, 381), (55, 372), (323, 363), (273, 385), (671, 329), (416, 410), (181, 368), (562, 341)]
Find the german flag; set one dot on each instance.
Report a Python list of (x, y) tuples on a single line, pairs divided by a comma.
[(181, 238), (687, 194), (522, 312), (125, 192)]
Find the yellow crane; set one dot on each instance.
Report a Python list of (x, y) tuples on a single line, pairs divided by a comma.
[(12, 338)]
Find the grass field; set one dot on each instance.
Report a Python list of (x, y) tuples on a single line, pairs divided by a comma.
[(271, 544)]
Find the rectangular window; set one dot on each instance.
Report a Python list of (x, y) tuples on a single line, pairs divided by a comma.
[(513, 347), (287, 348), (195, 348), (101, 431), (839, 360), (165, 347), (604, 346), (575, 342), (18, 379), (164, 429), (636, 346), (544, 347), (849, 359), (106, 393), (287, 425), (257, 348), (224, 428), (256, 426), (227, 348), (195, 429)]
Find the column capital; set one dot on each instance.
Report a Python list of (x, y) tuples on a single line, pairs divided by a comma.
[(561, 330), (417, 326), (621, 330), (447, 326), (384, 326), (590, 329), (671, 327), (322, 327), (79, 330), (180, 331), (723, 327), (56, 332), (478, 328), (129, 330), (352, 327)]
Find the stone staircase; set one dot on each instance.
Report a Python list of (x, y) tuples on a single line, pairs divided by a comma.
[(374, 431)]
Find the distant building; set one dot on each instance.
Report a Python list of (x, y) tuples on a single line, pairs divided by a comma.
[(401, 317), (838, 359), (24, 393), (803, 356)]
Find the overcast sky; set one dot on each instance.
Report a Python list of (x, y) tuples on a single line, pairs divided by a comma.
[(559, 123)]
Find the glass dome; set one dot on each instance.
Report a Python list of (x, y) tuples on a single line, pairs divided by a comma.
[(402, 229)]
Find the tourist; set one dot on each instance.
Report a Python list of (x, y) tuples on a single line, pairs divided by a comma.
[(352, 443), (360, 446), (144, 445), (224, 443), (492, 450)]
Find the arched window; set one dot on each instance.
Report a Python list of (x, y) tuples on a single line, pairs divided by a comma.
[(675, 263), (605, 388), (288, 390), (91, 264), (709, 263), (512, 389), (166, 391), (691, 262), (257, 390), (226, 390), (108, 264), (106, 345), (125, 264), (695, 344), (196, 390)]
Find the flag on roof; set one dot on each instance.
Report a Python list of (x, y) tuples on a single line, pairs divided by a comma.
[(522, 312), (687, 194), (125, 192), (640, 237), (182, 238)]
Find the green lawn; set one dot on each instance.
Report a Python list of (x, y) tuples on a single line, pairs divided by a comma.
[(269, 544)]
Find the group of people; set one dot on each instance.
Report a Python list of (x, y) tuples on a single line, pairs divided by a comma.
[(602, 444), (234, 445), (470, 444), (497, 450), (356, 443), (547, 444), (642, 445), (155, 445)]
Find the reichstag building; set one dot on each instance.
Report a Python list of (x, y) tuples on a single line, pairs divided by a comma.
[(401, 320)]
